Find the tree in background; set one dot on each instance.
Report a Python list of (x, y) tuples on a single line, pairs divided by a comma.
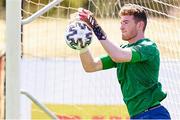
[(105, 6), (32, 8), (2, 4)]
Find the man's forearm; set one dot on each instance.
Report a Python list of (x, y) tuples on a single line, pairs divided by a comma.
[(89, 63), (117, 53)]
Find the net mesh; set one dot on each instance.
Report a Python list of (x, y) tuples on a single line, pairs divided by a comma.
[(52, 72)]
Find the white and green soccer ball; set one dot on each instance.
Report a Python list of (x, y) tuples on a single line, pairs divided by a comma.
[(78, 35)]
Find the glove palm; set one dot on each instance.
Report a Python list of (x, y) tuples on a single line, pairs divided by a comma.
[(87, 16)]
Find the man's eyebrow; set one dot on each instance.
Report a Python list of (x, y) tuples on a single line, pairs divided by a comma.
[(124, 20)]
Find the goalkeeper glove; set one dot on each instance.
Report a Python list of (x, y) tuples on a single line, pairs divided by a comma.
[(87, 16)]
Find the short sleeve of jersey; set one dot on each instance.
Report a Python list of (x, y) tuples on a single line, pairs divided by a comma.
[(107, 62), (144, 51)]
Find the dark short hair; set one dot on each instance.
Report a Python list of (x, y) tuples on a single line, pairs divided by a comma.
[(137, 11)]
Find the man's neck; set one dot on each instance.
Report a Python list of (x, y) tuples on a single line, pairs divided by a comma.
[(135, 39)]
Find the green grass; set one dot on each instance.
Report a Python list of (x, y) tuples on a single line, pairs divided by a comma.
[(45, 38)]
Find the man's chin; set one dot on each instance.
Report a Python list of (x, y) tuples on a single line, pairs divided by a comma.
[(124, 38)]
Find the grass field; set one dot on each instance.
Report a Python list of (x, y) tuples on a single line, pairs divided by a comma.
[(45, 38)]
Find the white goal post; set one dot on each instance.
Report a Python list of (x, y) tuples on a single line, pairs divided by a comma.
[(40, 105), (13, 56), (40, 12), (13, 53)]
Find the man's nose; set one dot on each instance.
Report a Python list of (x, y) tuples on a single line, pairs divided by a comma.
[(121, 27)]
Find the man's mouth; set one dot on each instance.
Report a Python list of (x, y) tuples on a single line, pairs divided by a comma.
[(123, 32)]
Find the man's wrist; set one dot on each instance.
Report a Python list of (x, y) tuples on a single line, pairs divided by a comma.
[(98, 31), (84, 50)]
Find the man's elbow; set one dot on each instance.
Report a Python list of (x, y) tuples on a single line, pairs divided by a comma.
[(90, 69), (120, 59)]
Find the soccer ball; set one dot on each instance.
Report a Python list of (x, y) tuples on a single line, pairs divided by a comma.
[(78, 35)]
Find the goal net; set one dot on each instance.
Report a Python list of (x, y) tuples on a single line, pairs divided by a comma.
[(51, 71)]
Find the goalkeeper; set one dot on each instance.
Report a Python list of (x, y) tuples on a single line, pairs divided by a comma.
[(137, 63)]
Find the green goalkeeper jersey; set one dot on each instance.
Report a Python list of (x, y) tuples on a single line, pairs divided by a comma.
[(139, 77)]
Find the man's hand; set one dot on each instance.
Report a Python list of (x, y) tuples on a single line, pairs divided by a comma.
[(87, 16)]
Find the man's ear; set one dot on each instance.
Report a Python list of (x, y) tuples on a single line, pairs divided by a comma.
[(140, 25)]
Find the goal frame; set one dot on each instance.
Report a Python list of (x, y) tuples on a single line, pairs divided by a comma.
[(13, 56), (14, 23)]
